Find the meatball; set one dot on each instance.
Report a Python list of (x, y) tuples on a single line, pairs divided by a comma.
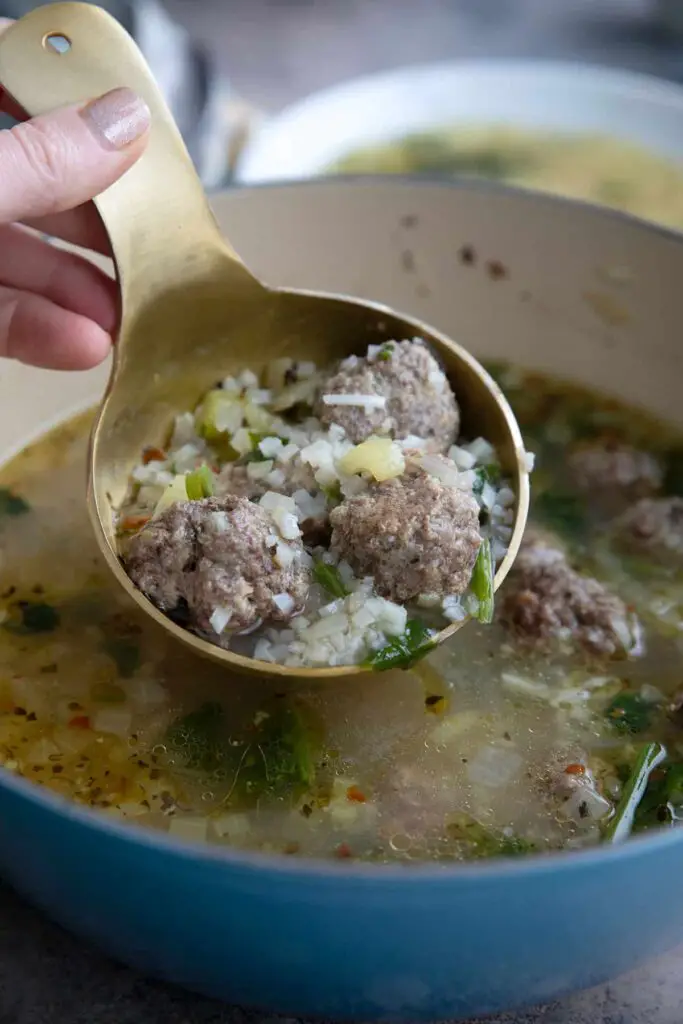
[(546, 601), (654, 527), (220, 564), (413, 534), (234, 478), (418, 400), (620, 470)]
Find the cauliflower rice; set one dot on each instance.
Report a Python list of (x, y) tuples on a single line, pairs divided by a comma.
[(259, 438)]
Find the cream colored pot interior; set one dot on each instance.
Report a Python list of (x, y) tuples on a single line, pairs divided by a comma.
[(573, 291)]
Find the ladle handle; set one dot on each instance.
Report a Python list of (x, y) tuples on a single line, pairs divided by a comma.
[(162, 230)]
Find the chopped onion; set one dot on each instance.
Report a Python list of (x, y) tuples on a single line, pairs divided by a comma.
[(146, 692), (271, 501), (284, 555), (220, 521), (263, 650), (436, 467), (461, 457), (113, 720), (285, 603), (192, 829), (493, 767), (219, 619), (235, 826), (259, 470)]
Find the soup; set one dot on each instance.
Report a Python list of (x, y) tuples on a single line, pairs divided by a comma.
[(557, 726), (595, 168)]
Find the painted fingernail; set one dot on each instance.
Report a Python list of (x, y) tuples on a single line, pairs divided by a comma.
[(117, 119)]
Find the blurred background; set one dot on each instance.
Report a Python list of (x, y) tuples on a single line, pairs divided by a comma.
[(236, 72)]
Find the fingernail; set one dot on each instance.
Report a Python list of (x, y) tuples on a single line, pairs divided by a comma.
[(117, 119)]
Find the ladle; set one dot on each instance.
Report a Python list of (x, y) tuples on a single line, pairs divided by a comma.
[(191, 312)]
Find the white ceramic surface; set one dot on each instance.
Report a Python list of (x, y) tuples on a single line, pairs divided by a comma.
[(307, 137)]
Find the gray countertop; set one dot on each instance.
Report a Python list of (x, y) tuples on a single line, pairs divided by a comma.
[(276, 51)]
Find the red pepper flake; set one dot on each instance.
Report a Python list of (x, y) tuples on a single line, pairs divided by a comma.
[(343, 851), (575, 769), (79, 722), (153, 455), (355, 795), (131, 523)]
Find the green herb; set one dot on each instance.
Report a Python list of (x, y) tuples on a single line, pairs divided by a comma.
[(12, 504), (283, 755), (201, 738), (333, 493), (386, 352), (329, 578), (275, 756), (403, 651), (485, 475), (485, 842), (32, 617), (125, 653), (662, 803), (482, 582), (629, 712), (256, 455), (199, 483), (620, 825), (673, 472), (561, 511)]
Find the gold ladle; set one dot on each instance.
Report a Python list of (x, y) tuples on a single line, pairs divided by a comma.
[(191, 312)]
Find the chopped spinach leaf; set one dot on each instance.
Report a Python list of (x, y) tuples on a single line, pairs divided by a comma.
[(276, 755), (483, 842), (200, 738), (662, 803), (483, 475), (329, 578), (673, 472), (32, 617), (12, 504), (629, 712), (562, 511), (403, 651), (125, 653), (621, 823)]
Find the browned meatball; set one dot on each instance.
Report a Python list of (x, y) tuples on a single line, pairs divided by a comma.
[(546, 601), (620, 470), (419, 401), (654, 527), (218, 556), (413, 534)]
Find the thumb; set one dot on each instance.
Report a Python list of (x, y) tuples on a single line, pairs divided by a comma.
[(60, 160)]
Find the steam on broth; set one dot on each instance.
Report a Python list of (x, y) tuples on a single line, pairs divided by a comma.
[(535, 733)]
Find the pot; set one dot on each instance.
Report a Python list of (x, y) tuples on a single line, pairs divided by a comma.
[(575, 291)]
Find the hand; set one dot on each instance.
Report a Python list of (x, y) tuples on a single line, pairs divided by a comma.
[(56, 309)]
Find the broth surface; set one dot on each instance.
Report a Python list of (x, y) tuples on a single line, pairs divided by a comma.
[(594, 168), (474, 753)]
